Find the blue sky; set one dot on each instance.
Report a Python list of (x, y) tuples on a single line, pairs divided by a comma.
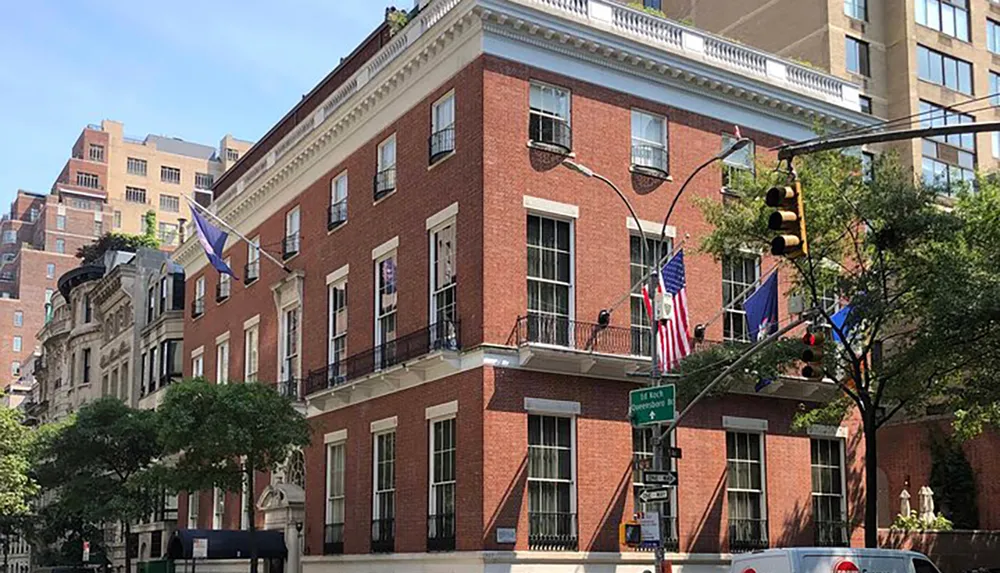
[(183, 68)]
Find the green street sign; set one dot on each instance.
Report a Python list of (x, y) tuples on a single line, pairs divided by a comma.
[(652, 405)]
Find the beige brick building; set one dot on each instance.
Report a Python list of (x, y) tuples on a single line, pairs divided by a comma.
[(909, 56)]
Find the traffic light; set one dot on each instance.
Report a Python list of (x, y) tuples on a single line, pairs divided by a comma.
[(630, 535), (789, 219), (812, 355)]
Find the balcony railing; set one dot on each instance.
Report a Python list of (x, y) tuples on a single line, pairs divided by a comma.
[(441, 532), (552, 531), (197, 307), (651, 157), (442, 143), (383, 535), (251, 272), (583, 336), (549, 130), (223, 290), (290, 245), (440, 336), (333, 539), (291, 388), (338, 215), (832, 534), (747, 535), (385, 182)]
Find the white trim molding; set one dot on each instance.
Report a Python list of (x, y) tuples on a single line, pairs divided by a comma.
[(547, 207), (384, 424), (385, 248), (557, 407), (442, 216), (337, 437), (198, 351), (820, 431), (338, 275), (744, 424), (649, 228), (251, 322), (441, 410), (224, 337)]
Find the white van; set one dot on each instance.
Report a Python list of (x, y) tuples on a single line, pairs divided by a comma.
[(832, 560)]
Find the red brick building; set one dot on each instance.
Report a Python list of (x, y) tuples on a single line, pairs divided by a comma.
[(466, 409)]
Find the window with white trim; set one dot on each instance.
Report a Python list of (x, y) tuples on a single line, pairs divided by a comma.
[(50, 270), (550, 115), (199, 297), (253, 260), (856, 56), (442, 127), (737, 163), (225, 282), (338, 201), (9, 237), (194, 501), (18, 318), (551, 484), (16, 345), (550, 279), (198, 366), (289, 344), (640, 261), (170, 175), (135, 195), (203, 180), (738, 275), (251, 360), (858, 9), (333, 534), (386, 299), (337, 330), (136, 166), (444, 285), (222, 362), (829, 504), (649, 141), (218, 508), (384, 492), (745, 490), (89, 180), (61, 222), (949, 17), (441, 507), (60, 246), (170, 203), (292, 236), (385, 177)]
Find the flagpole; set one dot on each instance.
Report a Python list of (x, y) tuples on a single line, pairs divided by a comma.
[(260, 251)]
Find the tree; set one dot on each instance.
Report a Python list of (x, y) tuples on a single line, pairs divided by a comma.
[(225, 433), (876, 240), (93, 252), (16, 485), (99, 468)]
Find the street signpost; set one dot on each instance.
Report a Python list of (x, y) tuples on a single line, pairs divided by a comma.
[(652, 405), (659, 478), (672, 452), (648, 495)]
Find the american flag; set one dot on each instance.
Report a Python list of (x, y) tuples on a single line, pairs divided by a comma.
[(672, 342)]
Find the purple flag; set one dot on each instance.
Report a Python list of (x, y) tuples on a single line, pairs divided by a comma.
[(213, 240)]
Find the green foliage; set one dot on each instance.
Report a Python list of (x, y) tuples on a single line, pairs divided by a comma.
[(398, 19), (953, 482), (651, 11), (94, 252), (16, 484), (913, 522)]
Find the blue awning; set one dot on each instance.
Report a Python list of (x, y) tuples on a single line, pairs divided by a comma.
[(227, 544)]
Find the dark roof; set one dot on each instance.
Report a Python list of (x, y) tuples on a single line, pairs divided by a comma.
[(181, 147), (227, 544), (76, 277)]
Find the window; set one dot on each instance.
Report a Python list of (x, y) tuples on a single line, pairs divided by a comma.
[(643, 452), (9, 237), (337, 343), (386, 299), (251, 360), (136, 166), (290, 345), (949, 17), (203, 198), (333, 535), (649, 141), (866, 104), (385, 177), (198, 305), (549, 116), (232, 154), (15, 368), (252, 270), (198, 366), (170, 203), (18, 318), (550, 281), (135, 195), (856, 56), (858, 9), (442, 128), (168, 233), (225, 285), (86, 366), (384, 493), (829, 511), (17, 344), (291, 243), (96, 152), (48, 295), (441, 508), (164, 292), (222, 362), (171, 365), (219, 507), (61, 222), (995, 88), (944, 70), (338, 201), (993, 36), (170, 174), (868, 166), (640, 261), (738, 275), (50, 270), (98, 228), (741, 161), (60, 246), (194, 500), (745, 491), (33, 214), (90, 180), (551, 491), (203, 180), (948, 161), (924, 566), (444, 285), (654, 4)]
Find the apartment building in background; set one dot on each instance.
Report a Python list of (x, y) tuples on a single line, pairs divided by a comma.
[(909, 57), (439, 322)]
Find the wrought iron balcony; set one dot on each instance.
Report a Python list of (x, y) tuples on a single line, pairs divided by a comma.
[(832, 534), (333, 539), (442, 142), (383, 535), (222, 290), (338, 215), (197, 307), (576, 335), (291, 388), (440, 336), (651, 158), (385, 182), (441, 532), (552, 532), (290, 245), (551, 131), (747, 535), (251, 272)]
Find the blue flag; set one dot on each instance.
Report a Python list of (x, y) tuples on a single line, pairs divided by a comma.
[(762, 309), (844, 322), (213, 240)]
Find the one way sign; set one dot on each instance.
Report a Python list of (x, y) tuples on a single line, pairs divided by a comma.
[(659, 477), (649, 495)]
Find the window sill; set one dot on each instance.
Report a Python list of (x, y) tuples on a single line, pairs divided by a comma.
[(331, 230), (943, 87), (290, 256), (550, 148), (438, 161), (650, 172), (384, 197), (221, 301), (248, 282)]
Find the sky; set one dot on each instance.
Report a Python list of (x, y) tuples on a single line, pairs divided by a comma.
[(182, 68)]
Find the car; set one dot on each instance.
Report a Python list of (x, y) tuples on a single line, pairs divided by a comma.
[(832, 560)]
